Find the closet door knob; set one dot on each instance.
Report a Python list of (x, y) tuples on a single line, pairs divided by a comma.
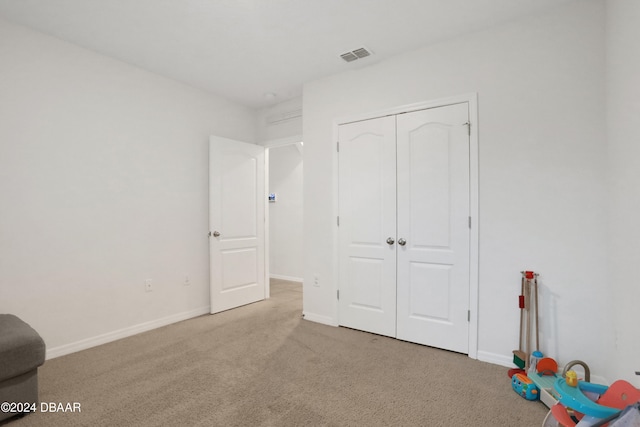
[(390, 241), (402, 242), (216, 234)]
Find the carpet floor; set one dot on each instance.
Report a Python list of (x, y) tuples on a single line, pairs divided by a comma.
[(264, 365)]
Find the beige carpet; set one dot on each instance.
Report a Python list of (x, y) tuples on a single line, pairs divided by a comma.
[(263, 365)]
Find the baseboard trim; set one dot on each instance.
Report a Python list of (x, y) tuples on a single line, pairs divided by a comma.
[(289, 278), (84, 344), (318, 318), (496, 359)]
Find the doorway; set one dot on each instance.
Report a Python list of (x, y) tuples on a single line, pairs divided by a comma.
[(253, 226), (285, 169)]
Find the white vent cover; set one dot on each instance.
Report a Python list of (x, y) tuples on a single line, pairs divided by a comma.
[(281, 117), (356, 54)]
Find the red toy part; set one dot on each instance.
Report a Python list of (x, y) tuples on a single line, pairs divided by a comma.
[(528, 274), (547, 366), (514, 371), (521, 301)]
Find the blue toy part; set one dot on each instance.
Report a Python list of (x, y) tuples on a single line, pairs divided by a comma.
[(574, 398), (523, 385)]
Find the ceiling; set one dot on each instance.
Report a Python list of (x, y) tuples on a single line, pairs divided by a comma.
[(245, 50)]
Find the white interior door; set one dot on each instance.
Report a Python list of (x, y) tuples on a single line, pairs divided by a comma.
[(367, 200), (433, 220), (236, 223)]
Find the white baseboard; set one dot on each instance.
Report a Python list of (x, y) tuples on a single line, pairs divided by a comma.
[(289, 278), (496, 359), (123, 333), (318, 318)]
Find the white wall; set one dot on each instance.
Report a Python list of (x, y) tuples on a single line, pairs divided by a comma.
[(623, 111), (540, 84), (103, 182), (285, 215)]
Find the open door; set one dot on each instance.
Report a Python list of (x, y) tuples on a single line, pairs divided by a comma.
[(236, 223)]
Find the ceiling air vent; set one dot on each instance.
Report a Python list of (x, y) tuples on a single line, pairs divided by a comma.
[(349, 56), (355, 54), (361, 53)]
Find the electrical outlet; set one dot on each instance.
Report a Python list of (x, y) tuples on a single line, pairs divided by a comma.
[(148, 285), (316, 281), (187, 282)]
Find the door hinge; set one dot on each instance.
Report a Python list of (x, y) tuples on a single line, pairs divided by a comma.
[(338, 220), (338, 146), (468, 125), (338, 294), (469, 222), (468, 315)]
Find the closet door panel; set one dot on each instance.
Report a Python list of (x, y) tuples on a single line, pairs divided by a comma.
[(429, 196), (433, 211), (367, 211)]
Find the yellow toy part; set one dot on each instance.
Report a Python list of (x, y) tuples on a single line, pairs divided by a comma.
[(572, 379)]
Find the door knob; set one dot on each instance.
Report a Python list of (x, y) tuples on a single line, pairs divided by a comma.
[(390, 241), (216, 234), (402, 242)]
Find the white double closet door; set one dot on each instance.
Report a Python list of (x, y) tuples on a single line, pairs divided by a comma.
[(404, 233)]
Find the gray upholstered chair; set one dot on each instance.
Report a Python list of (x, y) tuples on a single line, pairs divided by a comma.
[(22, 350)]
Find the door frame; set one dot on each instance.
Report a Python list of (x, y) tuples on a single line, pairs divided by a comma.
[(472, 100), (268, 144)]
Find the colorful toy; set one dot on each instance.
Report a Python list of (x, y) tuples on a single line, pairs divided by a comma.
[(609, 405), (535, 357), (523, 385), (547, 366), (544, 377), (572, 379), (511, 372)]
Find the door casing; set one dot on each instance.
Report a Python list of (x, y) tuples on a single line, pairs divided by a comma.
[(268, 145)]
